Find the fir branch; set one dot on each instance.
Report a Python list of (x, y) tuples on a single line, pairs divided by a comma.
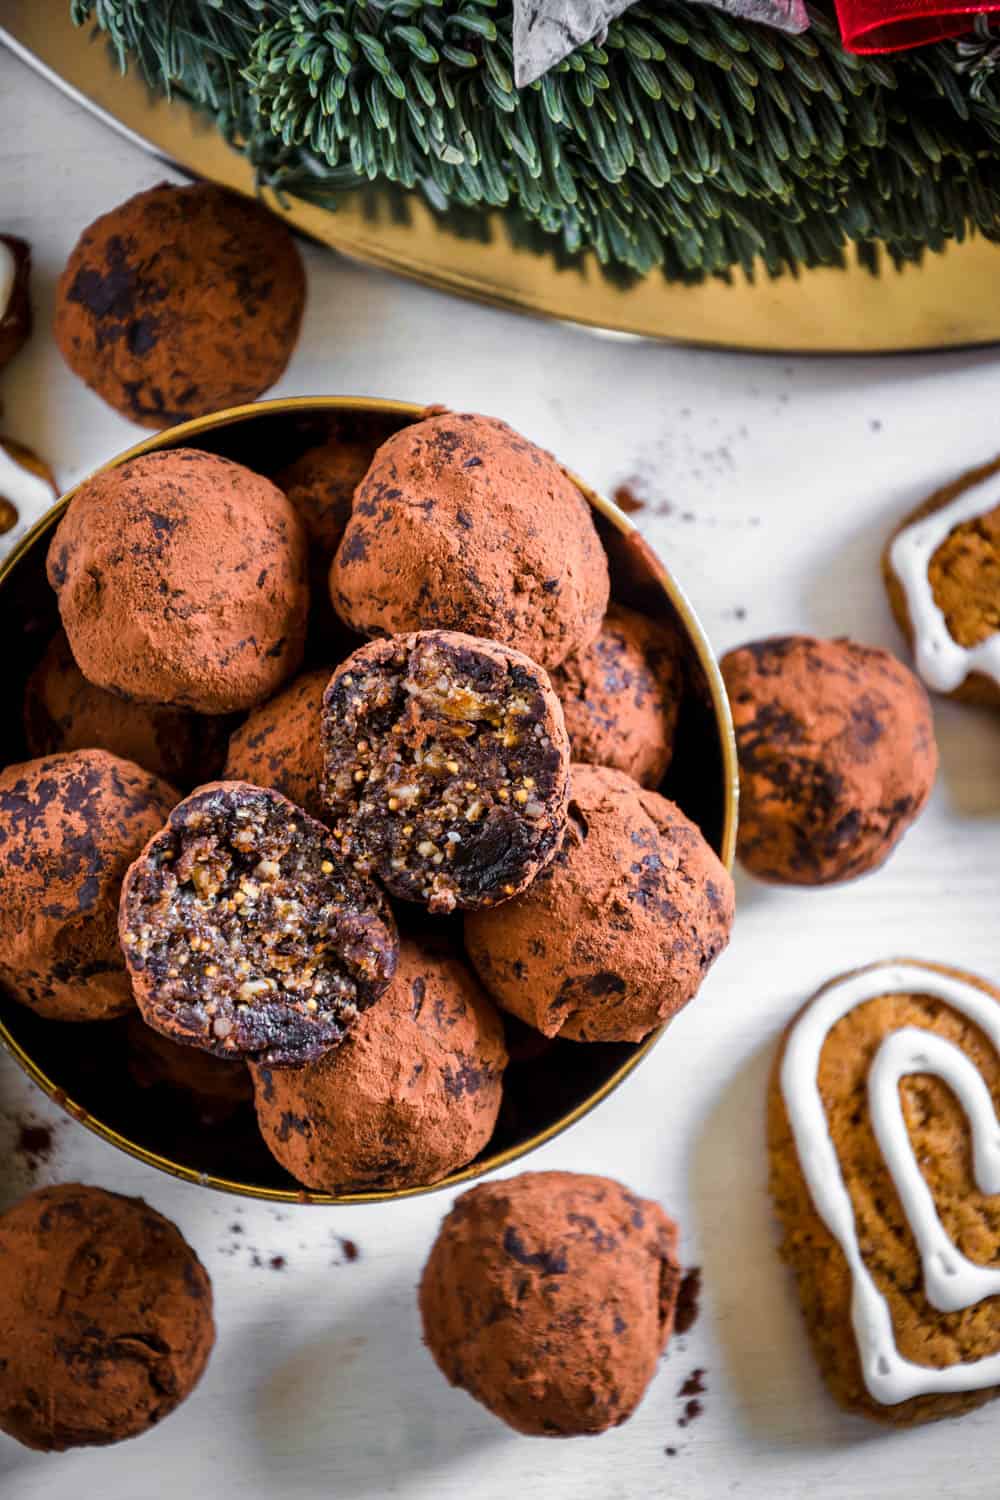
[(685, 139)]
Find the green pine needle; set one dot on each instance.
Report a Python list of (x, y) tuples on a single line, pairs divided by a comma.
[(686, 140)]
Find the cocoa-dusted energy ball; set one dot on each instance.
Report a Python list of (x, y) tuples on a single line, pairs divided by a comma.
[(837, 756), (620, 930), (246, 936), (69, 826), (105, 1318), (280, 744), (212, 1087), (621, 696), (446, 767), (411, 1095), (179, 302), (320, 483), (462, 524), (550, 1297), (181, 580), (63, 711)]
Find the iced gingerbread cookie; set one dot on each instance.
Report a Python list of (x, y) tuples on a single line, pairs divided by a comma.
[(15, 303), (889, 1222), (942, 573)]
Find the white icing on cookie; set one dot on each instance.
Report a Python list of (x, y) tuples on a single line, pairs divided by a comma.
[(951, 1281), (941, 661), (8, 275)]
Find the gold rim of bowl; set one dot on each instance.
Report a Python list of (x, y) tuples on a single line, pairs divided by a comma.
[(317, 405)]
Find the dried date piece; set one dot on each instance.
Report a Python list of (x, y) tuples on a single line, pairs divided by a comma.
[(244, 934), (446, 767)]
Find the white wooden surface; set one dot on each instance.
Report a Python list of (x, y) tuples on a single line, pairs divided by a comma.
[(771, 483)]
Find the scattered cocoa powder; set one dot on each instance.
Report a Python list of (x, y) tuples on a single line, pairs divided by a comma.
[(688, 1300)]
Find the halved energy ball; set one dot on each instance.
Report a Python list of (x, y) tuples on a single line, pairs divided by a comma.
[(246, 936), (447, 767)]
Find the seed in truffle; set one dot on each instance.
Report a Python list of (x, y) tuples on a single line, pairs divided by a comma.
[(15, 297), (837, 756), (63, 711), (621, 696), (620, 930), (462, 524), (411, 1095), (446, 767), (69, 826), (181, 580), (105, 1318), (179, 302), (246, 936), (280, 744), (550, 1297)]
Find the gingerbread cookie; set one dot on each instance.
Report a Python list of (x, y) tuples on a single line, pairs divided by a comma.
[(942, 573), (15, 301), (890, 1224)]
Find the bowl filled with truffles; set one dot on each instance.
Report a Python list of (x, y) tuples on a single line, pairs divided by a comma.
[(368, 808)]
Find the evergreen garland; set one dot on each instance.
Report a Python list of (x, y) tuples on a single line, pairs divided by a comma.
[(685, 140)]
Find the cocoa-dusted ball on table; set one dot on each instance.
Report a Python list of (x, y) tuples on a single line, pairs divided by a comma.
[(550, 1297), (280, 744), (181, 580), (412, 1094), (621, 696), (462, 524), (179, 302), (446, 767), (63, 711), (617, 934), (246, 936), (69, 827), (105, 1318), (837, 756)]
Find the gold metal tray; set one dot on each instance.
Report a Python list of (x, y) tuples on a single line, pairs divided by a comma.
[(952, 299), (84, 1067)]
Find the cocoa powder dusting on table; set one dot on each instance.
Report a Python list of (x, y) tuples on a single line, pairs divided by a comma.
[(34, 1144), (688, 1299), (627, 500)]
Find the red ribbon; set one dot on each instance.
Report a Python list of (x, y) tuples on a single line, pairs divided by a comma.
[(894, 25)]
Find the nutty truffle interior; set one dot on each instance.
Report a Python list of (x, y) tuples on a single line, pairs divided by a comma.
[(249, 937), (441, 770)]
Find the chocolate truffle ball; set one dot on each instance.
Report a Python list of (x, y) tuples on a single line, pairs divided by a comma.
[(105, 1318), (280, 744), (63, 711), (550, 1297), (446, 767), (462, 524), (69, 826), (320, 483), (181, 580), (244, 934), (837, 756), (212, 1087), (620, 930), (15, 298), (179, 302), (411, 1095), (621, 696)]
